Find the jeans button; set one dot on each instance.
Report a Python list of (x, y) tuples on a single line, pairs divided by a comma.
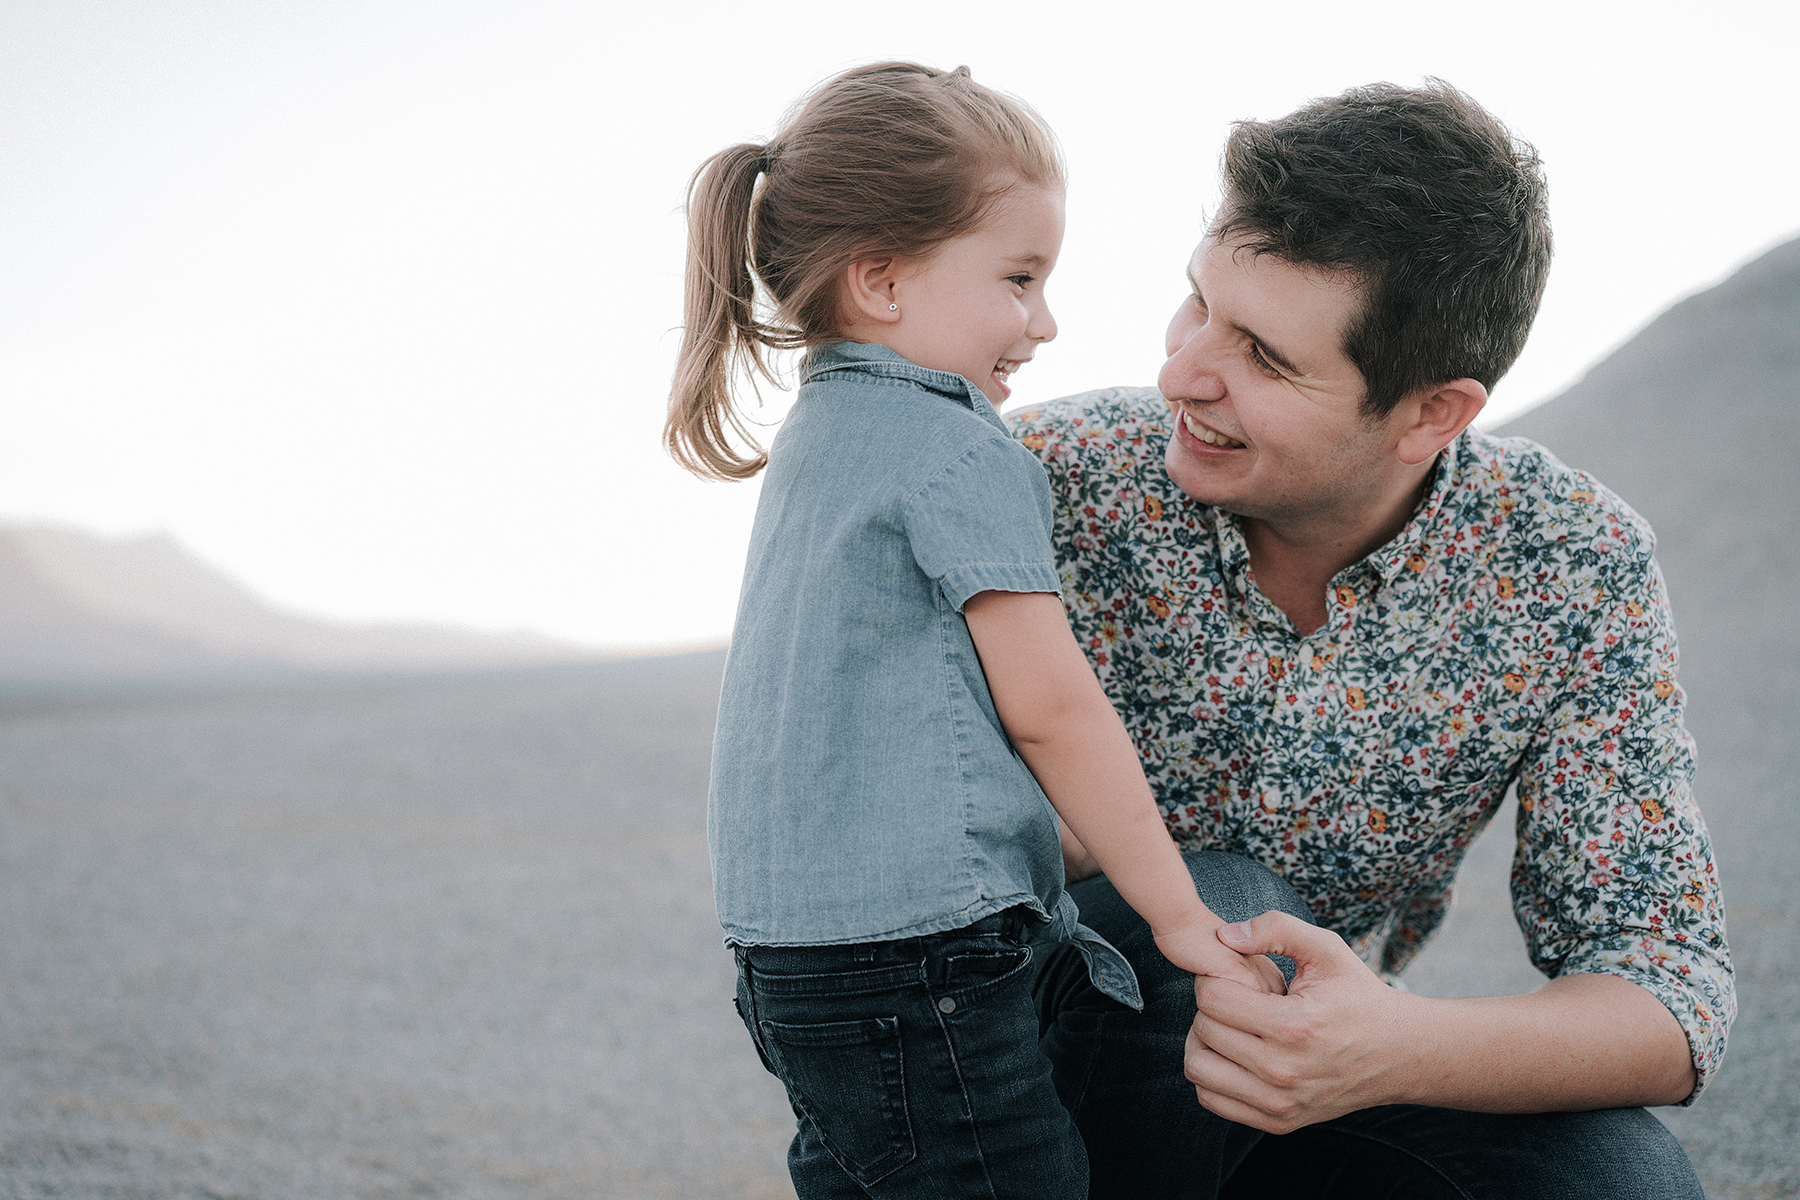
[(946, 1006)]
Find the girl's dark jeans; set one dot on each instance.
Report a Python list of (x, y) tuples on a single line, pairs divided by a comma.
[(913, 1066)]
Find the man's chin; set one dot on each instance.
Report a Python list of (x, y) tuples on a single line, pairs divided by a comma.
[(1197, 480)]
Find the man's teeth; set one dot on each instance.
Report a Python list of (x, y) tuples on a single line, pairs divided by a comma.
[(1208, 436)]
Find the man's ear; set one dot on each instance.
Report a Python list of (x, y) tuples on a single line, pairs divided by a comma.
[(869, 291), (1435, 415)]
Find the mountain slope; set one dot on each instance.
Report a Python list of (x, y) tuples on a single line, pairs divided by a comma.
[(1696, 423), (77, 606)]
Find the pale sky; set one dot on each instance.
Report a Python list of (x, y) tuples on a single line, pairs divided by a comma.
[(372, 302)]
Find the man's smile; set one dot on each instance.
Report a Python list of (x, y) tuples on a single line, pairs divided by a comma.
[(1209, 436)]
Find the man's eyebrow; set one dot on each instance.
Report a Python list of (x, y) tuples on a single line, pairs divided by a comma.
[(1270, 352)]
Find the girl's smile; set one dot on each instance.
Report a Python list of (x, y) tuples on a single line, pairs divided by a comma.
[(976, 305)]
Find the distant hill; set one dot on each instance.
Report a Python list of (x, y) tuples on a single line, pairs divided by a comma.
[(1695, 422), (76, 607)]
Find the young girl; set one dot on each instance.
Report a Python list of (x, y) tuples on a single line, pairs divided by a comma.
[(902, 690)]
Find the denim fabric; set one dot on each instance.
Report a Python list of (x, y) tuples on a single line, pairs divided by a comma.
[(1405, 1152), (1120, 1075), (1120, 1072), (863, 788), (913, 1066)]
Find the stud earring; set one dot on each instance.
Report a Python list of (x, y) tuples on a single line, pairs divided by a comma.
[(893, 308)]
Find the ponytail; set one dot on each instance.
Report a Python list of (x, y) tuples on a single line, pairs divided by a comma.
[(720, 331)]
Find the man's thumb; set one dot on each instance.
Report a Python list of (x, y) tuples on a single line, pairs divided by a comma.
[(1271, 933)]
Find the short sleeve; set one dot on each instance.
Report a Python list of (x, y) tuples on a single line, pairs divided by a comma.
[(982, 523)]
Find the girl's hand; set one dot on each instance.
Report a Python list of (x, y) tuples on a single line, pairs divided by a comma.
[(1196, 948)]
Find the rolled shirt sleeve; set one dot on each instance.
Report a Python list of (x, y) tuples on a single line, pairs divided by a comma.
[(1615, 871)]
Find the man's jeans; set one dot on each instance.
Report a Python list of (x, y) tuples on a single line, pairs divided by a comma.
[(913, 1066), (1120, 1073)]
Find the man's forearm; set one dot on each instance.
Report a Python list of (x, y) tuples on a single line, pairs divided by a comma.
[(1342, 1040), (1579, 1042)]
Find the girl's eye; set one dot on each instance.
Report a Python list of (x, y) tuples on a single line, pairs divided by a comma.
[(1019, 280)]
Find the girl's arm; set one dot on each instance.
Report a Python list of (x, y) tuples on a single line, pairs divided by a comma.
[(1065, 729), (1077, 862)]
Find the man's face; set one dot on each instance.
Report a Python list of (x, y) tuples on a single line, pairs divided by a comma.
[(1268, 422)]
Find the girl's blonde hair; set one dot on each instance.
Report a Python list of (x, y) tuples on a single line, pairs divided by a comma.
[(889, 160)]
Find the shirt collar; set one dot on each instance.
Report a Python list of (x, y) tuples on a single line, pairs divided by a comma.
[(872, 358), (1389, 560), (1385, 563)]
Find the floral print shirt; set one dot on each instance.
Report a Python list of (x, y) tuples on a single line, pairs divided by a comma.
[(1515, 633)]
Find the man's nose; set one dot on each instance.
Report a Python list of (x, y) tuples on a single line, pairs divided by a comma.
[(1192, 371)]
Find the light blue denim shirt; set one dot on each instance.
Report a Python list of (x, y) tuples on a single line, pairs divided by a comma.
[(863, 788)]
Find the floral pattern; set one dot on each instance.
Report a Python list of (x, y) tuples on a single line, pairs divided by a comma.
[(1515, 634)]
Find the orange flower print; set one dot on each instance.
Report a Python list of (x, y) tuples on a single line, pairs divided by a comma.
[(1153, 508), (1035, 441), (1346, 595), (1652, 810), (1377, 820), (1664, 688), (1507, 588), (1277, 666), (1356, 698), (1415, 562), (1157, 605), (1514, 681)]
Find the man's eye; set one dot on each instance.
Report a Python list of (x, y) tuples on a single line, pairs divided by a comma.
[(1267, 367)]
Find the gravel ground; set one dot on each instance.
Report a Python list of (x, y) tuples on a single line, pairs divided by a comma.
[(455, 939)]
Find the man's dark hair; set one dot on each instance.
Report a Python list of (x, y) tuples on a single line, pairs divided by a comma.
[(1422, 196)]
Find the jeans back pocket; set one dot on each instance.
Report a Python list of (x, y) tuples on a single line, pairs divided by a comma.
[(848, 1079)]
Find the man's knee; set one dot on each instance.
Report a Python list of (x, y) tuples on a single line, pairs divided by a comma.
[(1237, 888), (1234, 887)]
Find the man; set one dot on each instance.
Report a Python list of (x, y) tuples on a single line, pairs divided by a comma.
[(1340, 624)]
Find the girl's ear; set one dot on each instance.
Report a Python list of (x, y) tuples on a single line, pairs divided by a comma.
[(869, 292)]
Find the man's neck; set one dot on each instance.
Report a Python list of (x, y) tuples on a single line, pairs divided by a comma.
[(1294, 562)]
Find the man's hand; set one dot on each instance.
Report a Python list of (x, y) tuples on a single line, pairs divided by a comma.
[(1342, 1040), (1278, 1062)]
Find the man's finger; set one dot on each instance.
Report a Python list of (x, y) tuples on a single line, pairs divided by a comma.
[(1285, 934)]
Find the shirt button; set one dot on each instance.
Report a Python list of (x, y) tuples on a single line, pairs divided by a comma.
[(946, 1006)]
